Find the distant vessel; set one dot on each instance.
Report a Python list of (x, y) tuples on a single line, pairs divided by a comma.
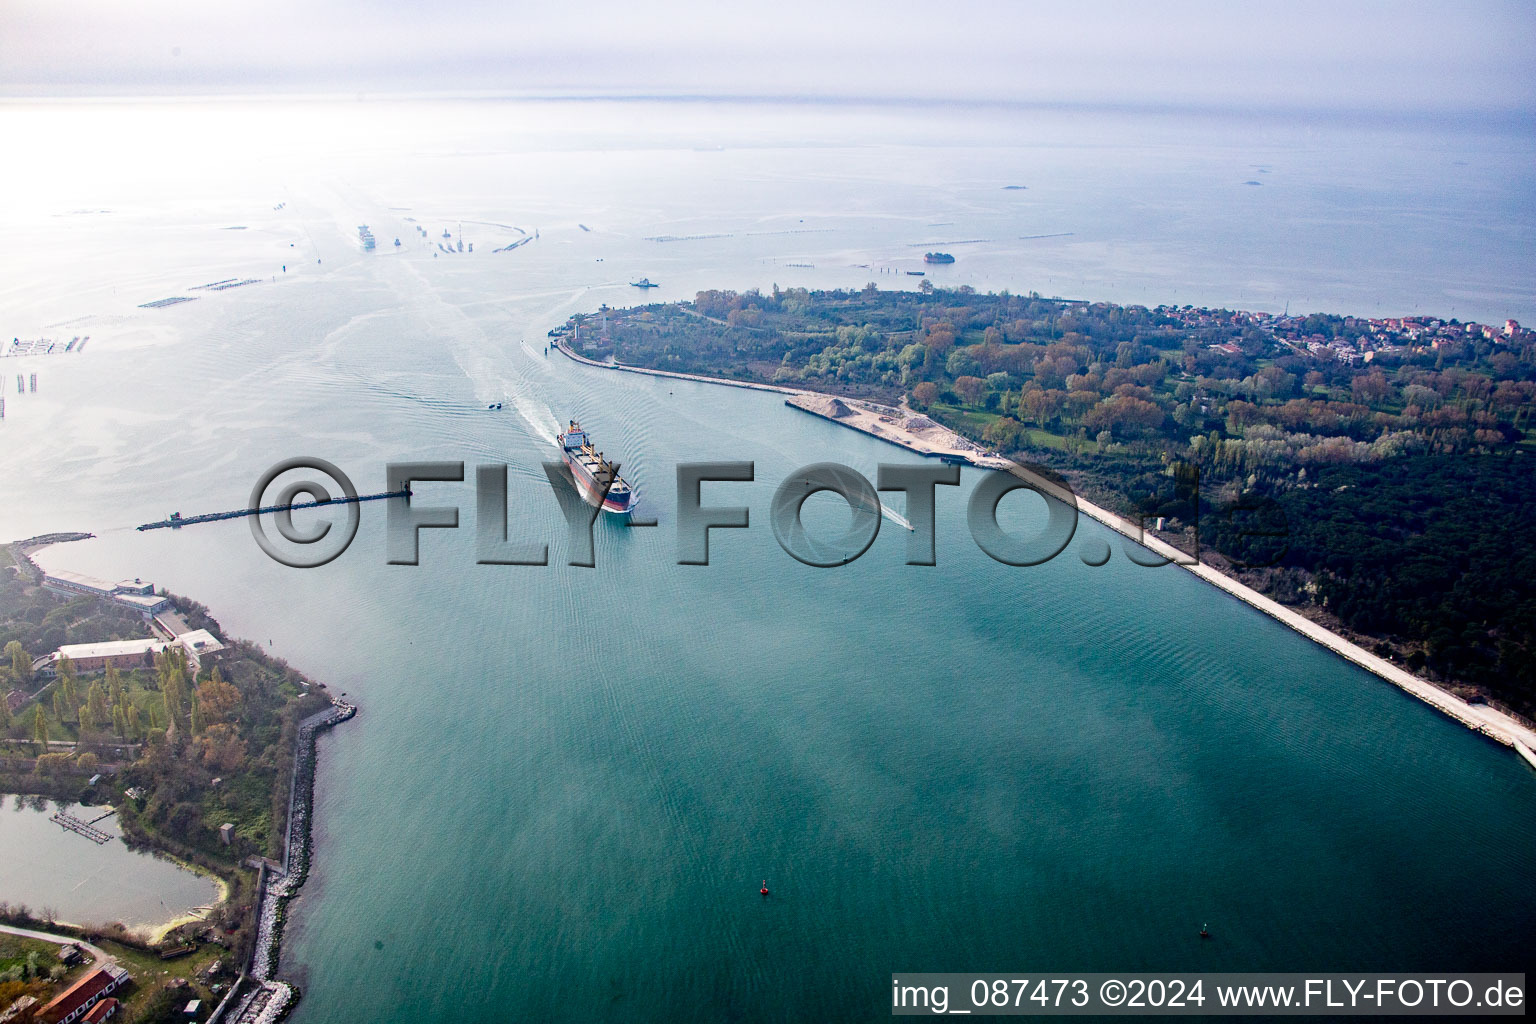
[(596, 477), (644, 282), (916, 273), (937, 257), (366, 236)]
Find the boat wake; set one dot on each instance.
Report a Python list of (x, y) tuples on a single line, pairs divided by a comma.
[(895, 517), (540, 419)]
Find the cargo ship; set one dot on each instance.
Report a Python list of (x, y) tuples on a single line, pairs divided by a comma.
[(596, 478), (937, 257)]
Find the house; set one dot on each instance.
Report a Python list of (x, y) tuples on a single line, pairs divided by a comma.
[(103, 1010), (70, 954), (76, 1001)]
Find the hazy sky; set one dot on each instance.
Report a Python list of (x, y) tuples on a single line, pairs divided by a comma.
[(1401, 56)]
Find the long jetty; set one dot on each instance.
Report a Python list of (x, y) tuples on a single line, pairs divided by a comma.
[(177, 520)]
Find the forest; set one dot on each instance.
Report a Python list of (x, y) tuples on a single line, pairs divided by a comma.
[(1371, 472)]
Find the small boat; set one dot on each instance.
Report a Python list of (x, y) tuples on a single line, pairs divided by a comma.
[(917, 273), (494, 406), (644, 282)]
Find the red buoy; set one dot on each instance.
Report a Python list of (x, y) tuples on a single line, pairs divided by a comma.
[(764, 889)]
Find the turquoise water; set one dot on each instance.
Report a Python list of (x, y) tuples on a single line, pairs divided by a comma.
[(566, 785)]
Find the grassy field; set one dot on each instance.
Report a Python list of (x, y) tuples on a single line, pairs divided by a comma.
[(14, 951), (151, 976), (971, 422)]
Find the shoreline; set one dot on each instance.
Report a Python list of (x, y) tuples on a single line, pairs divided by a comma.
[(270, 998), (159, 932), (933, 440), (257, 996)]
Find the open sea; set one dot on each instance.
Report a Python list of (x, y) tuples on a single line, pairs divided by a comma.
[(566, 784)]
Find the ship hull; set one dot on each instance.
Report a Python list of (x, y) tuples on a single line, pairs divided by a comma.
[(592, 492)]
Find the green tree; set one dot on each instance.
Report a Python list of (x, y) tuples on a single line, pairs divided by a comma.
[(40, 728), (21, 662), (67, 679), (96, 700), (114, 684), (87, 719), (135, 728), (58, 706), (171, 695), (119, 721), (5, 713)]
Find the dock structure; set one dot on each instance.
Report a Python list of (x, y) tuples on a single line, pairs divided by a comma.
[(74, 824), (1525, 753), (177, 520)]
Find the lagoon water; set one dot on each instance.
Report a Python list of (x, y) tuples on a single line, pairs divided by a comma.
[(50, 868), (567, 784)]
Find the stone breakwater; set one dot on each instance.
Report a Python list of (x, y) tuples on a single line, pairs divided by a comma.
[(268, 999)]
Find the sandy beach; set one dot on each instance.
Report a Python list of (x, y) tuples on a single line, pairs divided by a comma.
[(918, 433)]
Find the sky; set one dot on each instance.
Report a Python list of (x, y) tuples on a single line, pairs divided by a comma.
[(1403, 56)]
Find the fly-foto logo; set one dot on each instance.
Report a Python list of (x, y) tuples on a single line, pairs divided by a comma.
[(277, 496)]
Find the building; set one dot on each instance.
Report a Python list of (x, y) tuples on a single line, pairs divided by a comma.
[(125, 654), (129, 654), (101, 1011), (227, 833), (199, 643), (76, 1001), (134, 593)]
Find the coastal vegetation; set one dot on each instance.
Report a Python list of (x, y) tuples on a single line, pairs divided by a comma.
[(1371, 472)]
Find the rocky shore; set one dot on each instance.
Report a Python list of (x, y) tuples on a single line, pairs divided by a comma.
[(262, 998)]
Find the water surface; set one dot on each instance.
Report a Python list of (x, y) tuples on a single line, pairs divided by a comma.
[(55, 871), (566, 785)]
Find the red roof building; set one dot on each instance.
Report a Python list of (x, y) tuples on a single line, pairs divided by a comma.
[(76, 1001), (100, 1012)]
